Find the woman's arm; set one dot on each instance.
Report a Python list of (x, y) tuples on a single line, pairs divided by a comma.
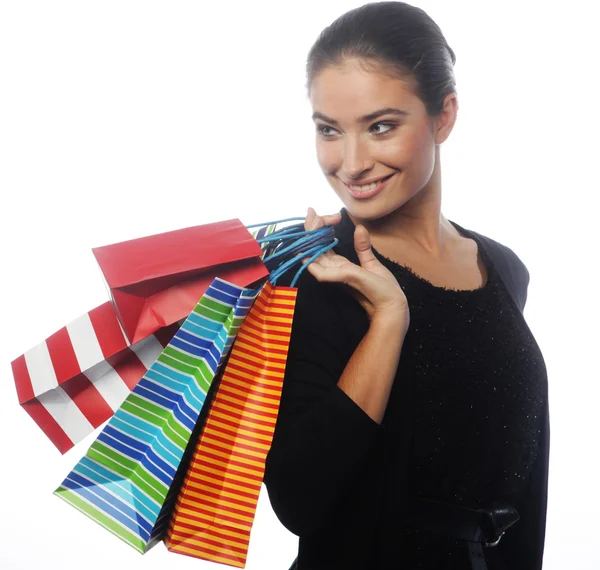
[(525, 544), (370, 372), (378, 292), (334, 396)]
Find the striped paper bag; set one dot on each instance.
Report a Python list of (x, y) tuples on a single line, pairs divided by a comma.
[(215, 508), (123, 480), (75, 380)]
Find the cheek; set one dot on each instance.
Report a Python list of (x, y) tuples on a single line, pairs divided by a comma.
[(409, 146), (417, 154), (328, 156)]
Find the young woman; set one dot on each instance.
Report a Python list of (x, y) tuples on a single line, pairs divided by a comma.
[(413, 430)]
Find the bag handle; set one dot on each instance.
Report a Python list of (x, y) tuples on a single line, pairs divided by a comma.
[(314, 252), (290, 245)]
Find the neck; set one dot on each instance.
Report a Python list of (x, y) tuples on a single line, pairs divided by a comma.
[(418, 224)]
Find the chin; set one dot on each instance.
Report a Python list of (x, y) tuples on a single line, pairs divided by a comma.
[(371, 211)]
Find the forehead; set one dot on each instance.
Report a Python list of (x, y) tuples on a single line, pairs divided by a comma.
[(350, 90)]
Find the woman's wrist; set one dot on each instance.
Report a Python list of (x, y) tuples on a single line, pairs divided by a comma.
[(392, 320)]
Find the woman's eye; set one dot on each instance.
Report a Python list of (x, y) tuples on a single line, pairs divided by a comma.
[(390, 127), (321, 128), (387, 127)]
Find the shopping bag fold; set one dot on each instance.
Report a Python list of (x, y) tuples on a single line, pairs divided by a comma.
[(74, 381), (156, 280)]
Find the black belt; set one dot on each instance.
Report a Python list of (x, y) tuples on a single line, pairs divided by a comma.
[(479, 528)]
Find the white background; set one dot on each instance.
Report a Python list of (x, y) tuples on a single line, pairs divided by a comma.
[(120, 119)]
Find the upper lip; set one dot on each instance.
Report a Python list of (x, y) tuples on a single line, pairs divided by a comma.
[(365, 182)]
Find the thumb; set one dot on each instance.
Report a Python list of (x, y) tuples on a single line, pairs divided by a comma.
[(362, 245)]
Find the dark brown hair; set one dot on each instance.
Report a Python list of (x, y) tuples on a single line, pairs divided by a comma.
[(393, 38)]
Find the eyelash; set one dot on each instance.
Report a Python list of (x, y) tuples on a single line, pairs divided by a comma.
[(391, 125)]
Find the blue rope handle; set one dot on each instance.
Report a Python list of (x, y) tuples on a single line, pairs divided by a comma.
[(278, 235), (286, 231), (276, 222), (311, 259), (271, 241), (308, 238), (316, 240), (309, 245), (317, 250), (291, 262), (298, 251)]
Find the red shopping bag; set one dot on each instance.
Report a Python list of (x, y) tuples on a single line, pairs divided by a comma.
[(216, 504), (157, 280), (74, 380)]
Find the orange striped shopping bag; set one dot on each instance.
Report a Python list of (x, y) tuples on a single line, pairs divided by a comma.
[(215, 508)]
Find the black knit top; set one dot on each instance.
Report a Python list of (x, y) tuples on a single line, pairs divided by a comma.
[(462, 423)]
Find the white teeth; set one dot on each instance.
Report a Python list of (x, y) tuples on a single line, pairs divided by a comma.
[(371, 186)]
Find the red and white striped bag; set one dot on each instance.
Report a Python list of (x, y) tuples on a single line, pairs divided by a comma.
[(78, 377)]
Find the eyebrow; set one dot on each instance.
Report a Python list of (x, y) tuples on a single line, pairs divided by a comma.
[(364, 118)]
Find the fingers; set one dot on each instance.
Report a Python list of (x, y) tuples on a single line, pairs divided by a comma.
[(310, 218), (334, 272), (332, 219), (315, 222), (362, 245)]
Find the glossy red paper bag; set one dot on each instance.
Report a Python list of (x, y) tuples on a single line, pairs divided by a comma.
[(157, 280)]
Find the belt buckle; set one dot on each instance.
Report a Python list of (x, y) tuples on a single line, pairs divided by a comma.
[(495, 543), (500, 516)]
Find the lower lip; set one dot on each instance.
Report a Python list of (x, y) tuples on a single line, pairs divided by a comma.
[(368, 193)]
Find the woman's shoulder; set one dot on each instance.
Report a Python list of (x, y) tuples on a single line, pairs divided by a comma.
[(326, 308), (501, 250), (509, 265)]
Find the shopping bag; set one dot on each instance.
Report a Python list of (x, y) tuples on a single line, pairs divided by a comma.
[(156, 280), (216, 504), (75, 380), (123, 481)]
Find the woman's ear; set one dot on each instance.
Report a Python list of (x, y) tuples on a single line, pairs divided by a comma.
[(445, 122)]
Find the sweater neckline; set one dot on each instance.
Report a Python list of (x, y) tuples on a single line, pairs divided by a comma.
[(346, 236)]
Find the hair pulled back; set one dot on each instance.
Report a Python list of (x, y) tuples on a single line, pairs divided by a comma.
[(394, 38)]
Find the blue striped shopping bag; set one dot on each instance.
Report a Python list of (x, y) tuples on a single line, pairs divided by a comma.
[(125, 481)]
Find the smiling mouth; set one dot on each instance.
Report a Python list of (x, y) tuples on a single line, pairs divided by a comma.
[(367, 187)]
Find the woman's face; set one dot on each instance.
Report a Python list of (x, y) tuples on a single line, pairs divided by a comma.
[(370, 126)]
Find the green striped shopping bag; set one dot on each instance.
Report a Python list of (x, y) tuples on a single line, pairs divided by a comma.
[(123, 481)]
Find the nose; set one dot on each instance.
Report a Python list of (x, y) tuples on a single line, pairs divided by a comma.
[(356, 157)]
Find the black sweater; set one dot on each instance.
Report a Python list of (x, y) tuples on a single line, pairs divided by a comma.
[(466, 423)]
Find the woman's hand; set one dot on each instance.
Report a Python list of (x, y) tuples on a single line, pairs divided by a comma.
[(370, 283)]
